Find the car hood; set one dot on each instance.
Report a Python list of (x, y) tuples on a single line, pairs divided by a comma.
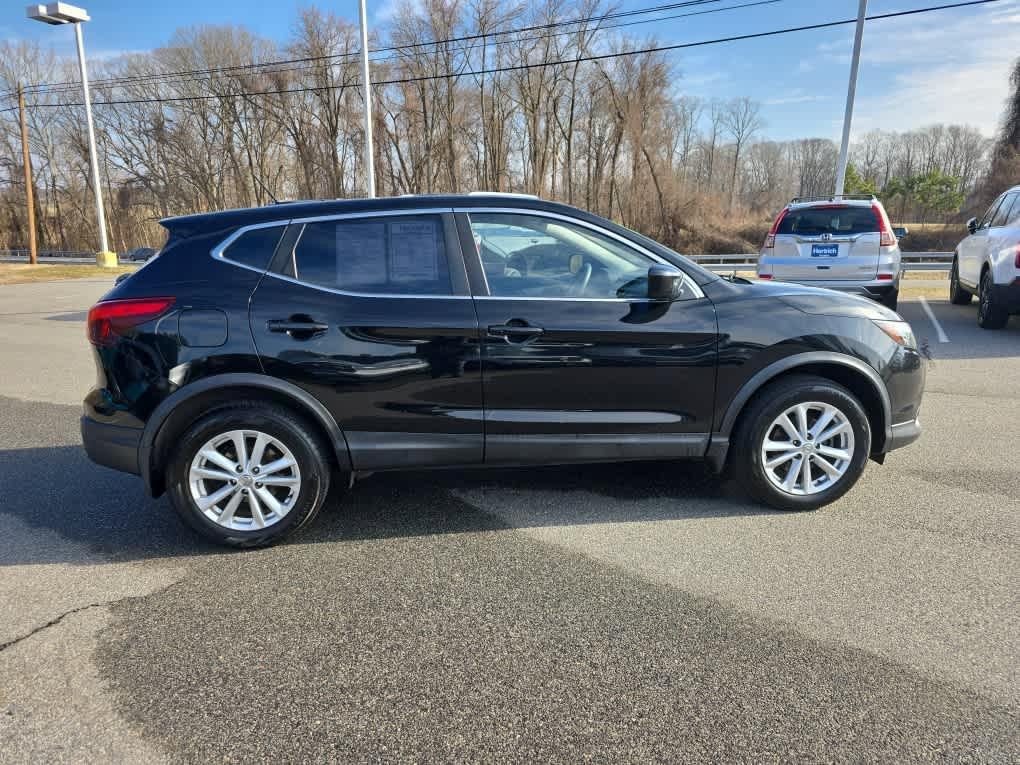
[(822, 302)]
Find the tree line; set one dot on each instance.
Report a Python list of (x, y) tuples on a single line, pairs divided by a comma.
[(615, 135)]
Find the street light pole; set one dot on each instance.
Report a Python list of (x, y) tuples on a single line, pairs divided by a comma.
[(366, 84), (104, 247), (844, 148), (63, 13)]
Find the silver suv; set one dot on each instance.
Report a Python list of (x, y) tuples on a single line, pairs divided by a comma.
[(844, 243)]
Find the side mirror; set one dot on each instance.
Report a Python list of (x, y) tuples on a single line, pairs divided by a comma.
[(972, 225), (901, 231), (664, 282)]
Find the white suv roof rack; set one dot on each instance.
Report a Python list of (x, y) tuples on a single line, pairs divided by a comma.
[(835, 198)]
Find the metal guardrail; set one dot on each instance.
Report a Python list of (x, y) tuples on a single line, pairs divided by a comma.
[(48, 254), (911, 261)]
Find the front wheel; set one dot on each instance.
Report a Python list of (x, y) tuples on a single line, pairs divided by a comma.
[(802, 443), (957, 294), (991, 313), (248, 475)]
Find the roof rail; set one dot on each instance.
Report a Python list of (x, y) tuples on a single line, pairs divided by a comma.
[(501, 194), (834, 198)]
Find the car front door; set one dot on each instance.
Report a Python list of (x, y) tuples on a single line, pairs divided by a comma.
[(371, 313), (578, 364), (972, 251)]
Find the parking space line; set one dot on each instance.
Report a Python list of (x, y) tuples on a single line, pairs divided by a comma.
[(943, 337)]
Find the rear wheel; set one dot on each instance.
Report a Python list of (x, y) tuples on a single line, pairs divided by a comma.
[(957, 294), (248, 475), (802, 443), (992, 314)]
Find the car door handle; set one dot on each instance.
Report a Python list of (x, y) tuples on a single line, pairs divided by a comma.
[(298, 329), (514, 331)]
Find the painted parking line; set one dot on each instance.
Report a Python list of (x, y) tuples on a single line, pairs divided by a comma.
[(943, 337)]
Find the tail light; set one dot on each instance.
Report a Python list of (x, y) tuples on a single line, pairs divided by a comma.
[(886, 236), (1016, 260), (770, 238), (111, 317), (765, 276)]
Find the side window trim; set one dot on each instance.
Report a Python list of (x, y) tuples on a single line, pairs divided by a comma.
[(479, 282), (455, 257)]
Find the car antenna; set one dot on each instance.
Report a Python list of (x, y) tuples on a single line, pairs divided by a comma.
[(265, 189)]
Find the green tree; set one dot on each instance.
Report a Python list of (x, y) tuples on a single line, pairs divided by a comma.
[(938, 194), (855, 183)]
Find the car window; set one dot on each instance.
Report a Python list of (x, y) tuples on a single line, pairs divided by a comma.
[(1002, 214), (535, 256), (831, 219), (255, 247), (986, 219), (1013, 218), (395, 255)]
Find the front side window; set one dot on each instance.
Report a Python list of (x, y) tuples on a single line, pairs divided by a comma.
[(254, 247), (534, 256), (986, 221), (1002, 214), (396, 255), (831, 219), (1013, 218)]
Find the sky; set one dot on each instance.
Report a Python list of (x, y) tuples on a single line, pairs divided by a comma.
[(947, 66)]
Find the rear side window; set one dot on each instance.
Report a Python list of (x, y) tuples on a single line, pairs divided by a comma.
[(835, 220), (254, 247), (397, 255), (1003, 213)]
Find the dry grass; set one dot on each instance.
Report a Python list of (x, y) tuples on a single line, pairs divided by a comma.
[(24, 273)]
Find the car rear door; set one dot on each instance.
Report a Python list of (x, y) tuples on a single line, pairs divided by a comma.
[(371, 313), (577, 363), (827, 243)]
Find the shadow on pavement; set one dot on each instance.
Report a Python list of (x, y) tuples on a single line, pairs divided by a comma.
[(109, 512)]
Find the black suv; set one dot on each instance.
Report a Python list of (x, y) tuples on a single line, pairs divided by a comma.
[(264, 351)]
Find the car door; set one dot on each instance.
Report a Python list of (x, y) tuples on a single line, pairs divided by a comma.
[(999, 239), (577, 363), (973, 250), (371, 313)]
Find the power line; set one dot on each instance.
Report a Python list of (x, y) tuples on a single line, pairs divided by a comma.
[(407, 46), (580, 59), (210, 76)]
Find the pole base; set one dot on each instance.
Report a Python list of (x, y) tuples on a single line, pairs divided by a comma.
[(107, 259)]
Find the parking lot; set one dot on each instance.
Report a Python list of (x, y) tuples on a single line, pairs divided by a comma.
[(629, 612)]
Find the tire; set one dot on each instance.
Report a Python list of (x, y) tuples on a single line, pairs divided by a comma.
[(757, 423), (891, 299), (957, 294), (991, 313), (294, 498)]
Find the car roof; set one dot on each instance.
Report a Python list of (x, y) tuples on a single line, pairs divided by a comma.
[(223, 219)]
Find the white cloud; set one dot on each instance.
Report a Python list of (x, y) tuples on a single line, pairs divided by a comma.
[(932, 68), (796, 97)]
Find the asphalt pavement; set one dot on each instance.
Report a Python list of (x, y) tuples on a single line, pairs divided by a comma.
[(632, 612)]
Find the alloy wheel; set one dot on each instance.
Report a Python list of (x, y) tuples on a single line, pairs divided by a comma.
[(808, 448), (244, 480)]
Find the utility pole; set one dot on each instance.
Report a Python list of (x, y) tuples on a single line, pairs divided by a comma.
[(844, 149), (33, 254), (366, 84)]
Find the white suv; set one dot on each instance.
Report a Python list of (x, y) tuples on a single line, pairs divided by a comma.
[(844, 243), (988, 262)]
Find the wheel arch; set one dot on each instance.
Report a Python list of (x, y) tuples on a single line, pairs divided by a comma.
[(854, 374), (175, 414)]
